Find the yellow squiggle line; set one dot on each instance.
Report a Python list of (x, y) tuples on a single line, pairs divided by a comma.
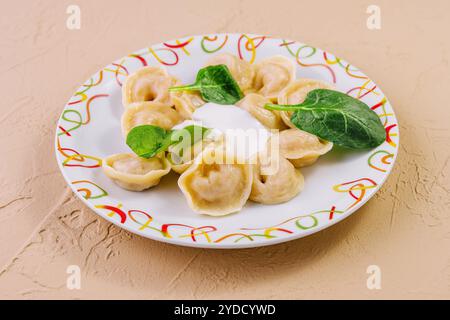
[(252, 49)]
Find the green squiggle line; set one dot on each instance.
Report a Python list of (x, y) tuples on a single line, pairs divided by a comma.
[(77, 123), (296, 54), (300, 226), (202, 43)]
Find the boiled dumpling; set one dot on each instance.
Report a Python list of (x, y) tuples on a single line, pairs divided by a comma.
[(134, 173), (181, 156), (296, 92), (275, 180), (272, 75), (302, 148), (185, 102), (215, 188), (254, 104), (242, 71), (148, 84), (154, 113), (181, 163)]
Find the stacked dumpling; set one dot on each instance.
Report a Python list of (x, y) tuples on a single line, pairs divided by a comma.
[(146, 99), (211, 186)]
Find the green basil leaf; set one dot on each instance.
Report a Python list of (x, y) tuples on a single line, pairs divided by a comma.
[(166, 143), (196, 133), (216, 84), (337, 117), (148, 140), (186, 137)]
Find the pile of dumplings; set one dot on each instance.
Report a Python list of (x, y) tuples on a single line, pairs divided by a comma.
[(220, 188)]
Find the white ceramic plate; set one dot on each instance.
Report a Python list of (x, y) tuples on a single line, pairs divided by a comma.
[(337, 185)]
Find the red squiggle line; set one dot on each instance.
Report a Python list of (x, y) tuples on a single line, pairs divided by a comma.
[(388, 135), (367, 92), (358, 180), (130, 212), (284, 230), (330, 217), (193, 234), (63, 151), (355, 185), (153, 52), (359, 187), (379, 104), (77, 157), (250, 45), (65, 131), (98, 165), (336, 60), (88, 106), (74, 102), (333, 75), (116, 73), (261, 39), (165, 228), (360, 89), (123, 216), (178, 45), (140, 58), (269, 230), (79, 100)]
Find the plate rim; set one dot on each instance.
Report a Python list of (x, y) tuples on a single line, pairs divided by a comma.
[(232, 245)]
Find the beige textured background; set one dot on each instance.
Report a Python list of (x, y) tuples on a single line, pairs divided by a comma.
[(405, 229)]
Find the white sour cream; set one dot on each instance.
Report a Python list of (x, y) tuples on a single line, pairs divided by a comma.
[(244, 134), (225, 117)]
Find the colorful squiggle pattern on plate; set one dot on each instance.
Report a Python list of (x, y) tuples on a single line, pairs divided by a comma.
[(144, 221), (89, 189), (73, 158), (216, 43), (356, 189), (353, 192), (76, 119), (302, 52)]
